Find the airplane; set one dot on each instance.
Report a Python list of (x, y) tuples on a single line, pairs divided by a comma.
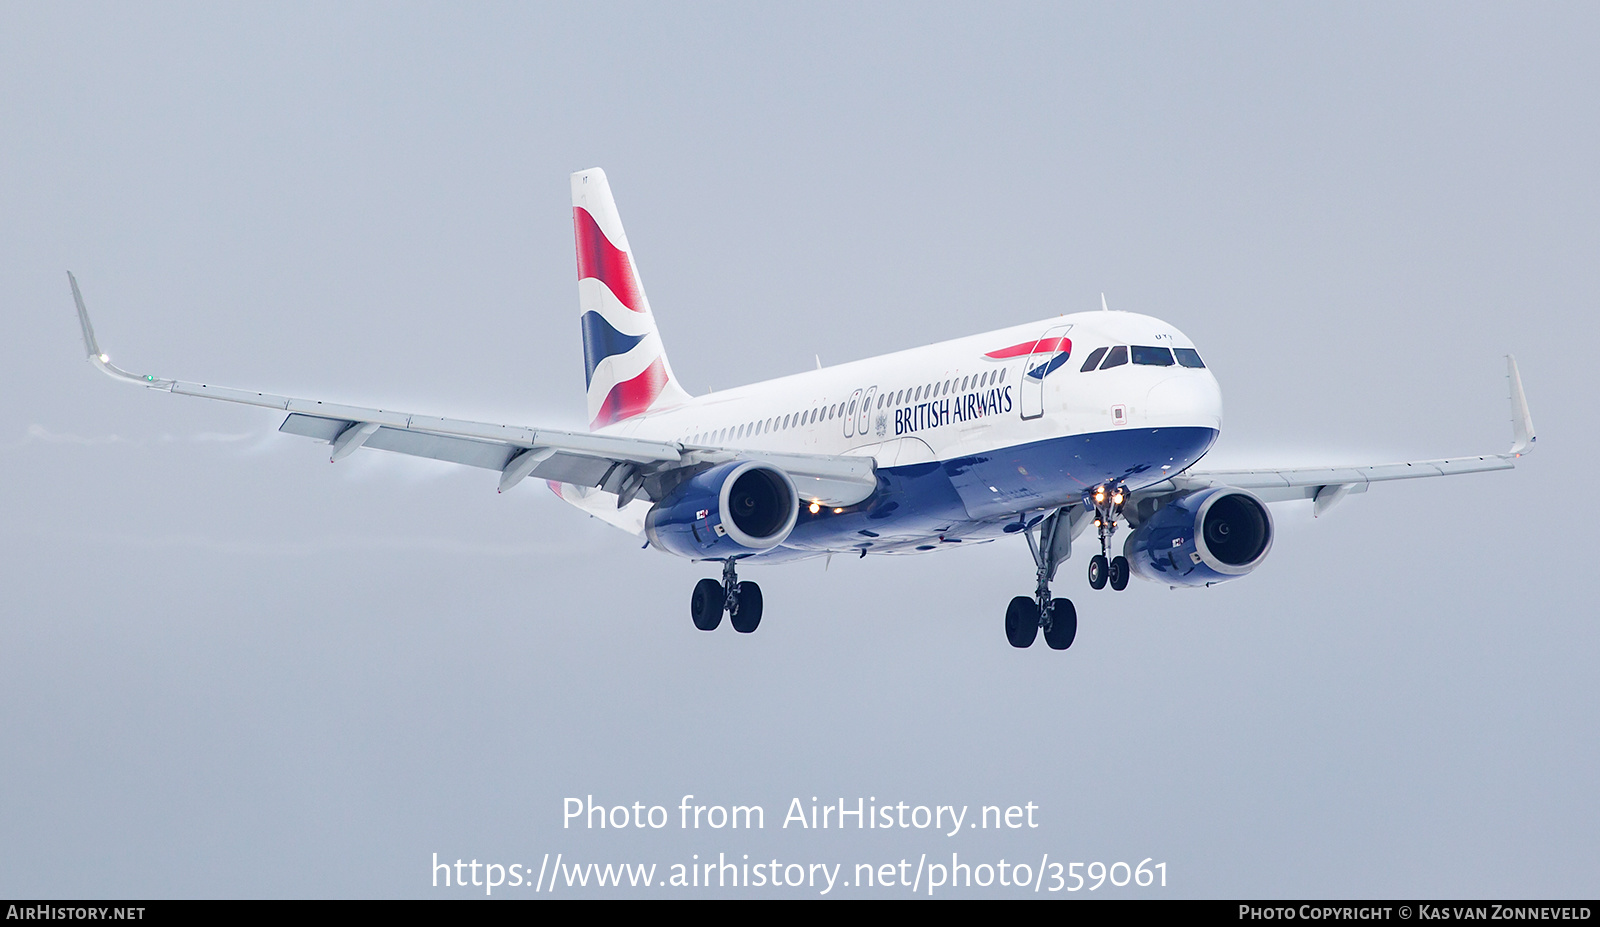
[(1044, 429)]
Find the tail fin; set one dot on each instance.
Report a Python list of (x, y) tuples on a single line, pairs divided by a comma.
[(624, 362)]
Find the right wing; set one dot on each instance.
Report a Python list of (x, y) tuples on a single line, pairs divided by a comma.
[(1328, 485), (630, 468)]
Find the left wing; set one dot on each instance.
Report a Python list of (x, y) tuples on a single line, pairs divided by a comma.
[(630, 468), (1327, 485)]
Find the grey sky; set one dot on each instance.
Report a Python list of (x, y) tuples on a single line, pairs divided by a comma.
[(227, 668)]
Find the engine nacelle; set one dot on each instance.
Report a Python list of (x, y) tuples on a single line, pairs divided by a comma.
[(1199, 538), (743, 507)]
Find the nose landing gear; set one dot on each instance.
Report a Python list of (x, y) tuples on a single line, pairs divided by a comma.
[(1107, 504), (741, 600)]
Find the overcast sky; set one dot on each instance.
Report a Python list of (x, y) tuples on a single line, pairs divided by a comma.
[(229, 669)]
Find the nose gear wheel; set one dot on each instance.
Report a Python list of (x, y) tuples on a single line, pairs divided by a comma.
[(1106, 501)]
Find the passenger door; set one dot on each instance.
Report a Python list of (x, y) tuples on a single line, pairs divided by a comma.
[(850, 414), (864, 417), (1038, 365)]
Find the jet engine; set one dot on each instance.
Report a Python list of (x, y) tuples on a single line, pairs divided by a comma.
[(1200, 538), (743, 507)]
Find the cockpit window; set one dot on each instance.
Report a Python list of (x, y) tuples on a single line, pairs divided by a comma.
[(1152, 356), (1189, 357), (1094, 360), (1117, 357)]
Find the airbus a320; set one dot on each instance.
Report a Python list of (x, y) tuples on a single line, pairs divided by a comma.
[(1089, 424)]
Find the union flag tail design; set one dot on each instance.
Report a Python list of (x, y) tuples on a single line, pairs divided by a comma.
[(624, 362)]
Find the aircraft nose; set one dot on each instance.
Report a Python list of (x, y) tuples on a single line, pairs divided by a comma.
[(1191, 399)]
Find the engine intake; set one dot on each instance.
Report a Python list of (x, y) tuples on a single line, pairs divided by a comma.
[(743, 507), (1200, 538)]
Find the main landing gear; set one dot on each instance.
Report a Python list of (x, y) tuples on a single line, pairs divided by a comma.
[(1107, 503), (1057, 618), (742, 602)]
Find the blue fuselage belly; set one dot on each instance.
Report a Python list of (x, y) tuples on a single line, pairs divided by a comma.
[(969, 497)]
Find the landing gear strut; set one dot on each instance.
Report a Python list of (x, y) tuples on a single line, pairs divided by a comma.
[(1026, 617), (1107, 504), (742, 602)]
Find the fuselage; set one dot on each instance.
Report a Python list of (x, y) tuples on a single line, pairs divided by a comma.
[(971, 433)]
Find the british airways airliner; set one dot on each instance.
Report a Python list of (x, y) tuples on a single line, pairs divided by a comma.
[(1049, 429)]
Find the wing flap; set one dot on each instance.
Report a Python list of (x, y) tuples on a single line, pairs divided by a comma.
[(466, 451), (579, 470), (486, 454), (309, 426)]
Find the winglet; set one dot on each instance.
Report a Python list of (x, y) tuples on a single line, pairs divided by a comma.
[(1522, 436), (98, 357), (89, 343)]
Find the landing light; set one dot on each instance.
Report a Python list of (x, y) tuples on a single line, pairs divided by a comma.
[(104, 359), (815, 508), (838, 511)]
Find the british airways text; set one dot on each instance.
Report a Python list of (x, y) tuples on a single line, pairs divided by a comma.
[(962, 408)]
